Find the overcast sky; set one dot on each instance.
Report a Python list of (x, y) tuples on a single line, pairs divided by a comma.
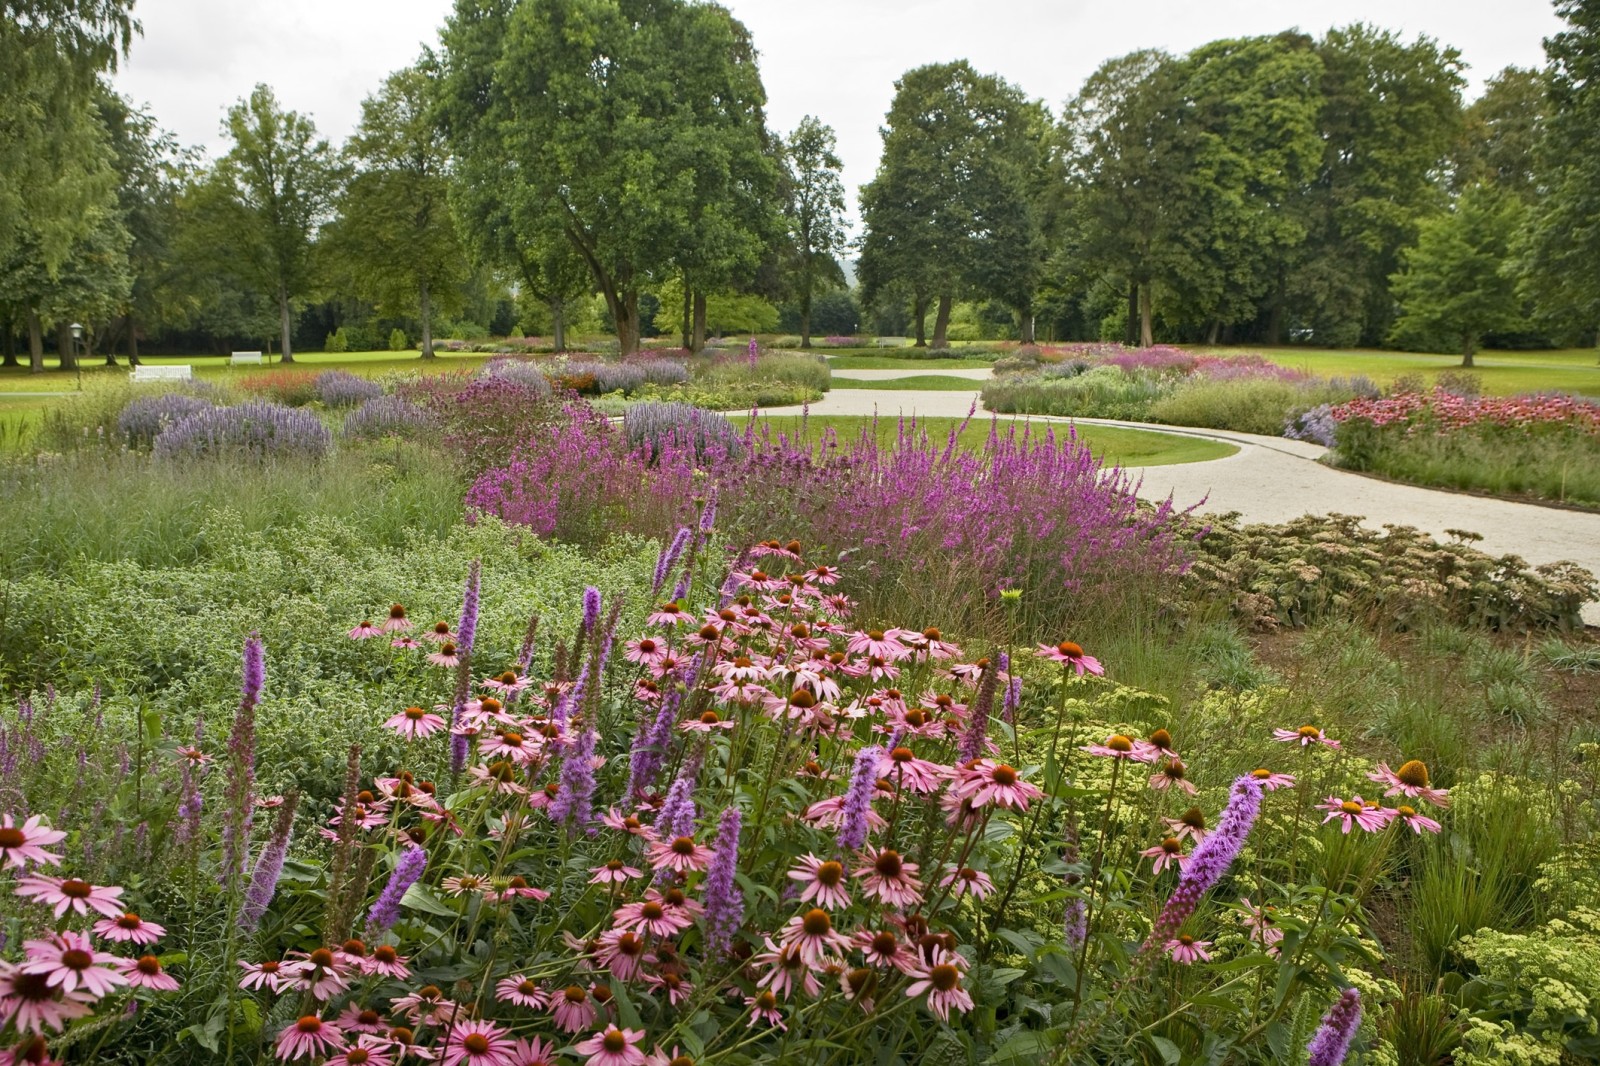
[(836, 59)]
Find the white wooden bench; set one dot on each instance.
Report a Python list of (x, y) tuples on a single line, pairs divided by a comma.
[(162, 373), (244, 359)]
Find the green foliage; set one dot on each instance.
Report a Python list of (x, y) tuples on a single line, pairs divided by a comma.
[(397, 340), (815, 215), (336, 342), (1545, 983), (1258, 405)]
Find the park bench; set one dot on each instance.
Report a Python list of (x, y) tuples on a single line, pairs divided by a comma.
[(244, 359), (161, 373)]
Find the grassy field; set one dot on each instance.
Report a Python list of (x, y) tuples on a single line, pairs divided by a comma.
[(900, 362), (1123, 447), (1503, 373), (916, 382)]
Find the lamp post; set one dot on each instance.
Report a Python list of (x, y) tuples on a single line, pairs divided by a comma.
[(77, 361)]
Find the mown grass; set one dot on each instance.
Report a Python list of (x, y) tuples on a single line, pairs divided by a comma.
[(1122, 447), (1503, 373), (914, 383), (887, 361)]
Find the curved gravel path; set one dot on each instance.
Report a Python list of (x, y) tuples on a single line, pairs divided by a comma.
[(1273, 479)]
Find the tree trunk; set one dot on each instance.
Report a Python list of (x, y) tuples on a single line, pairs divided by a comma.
[(1025, 325), (8, 345), (1469, 346), (286, 346), (558, 323), (66, 346), (427, 320), (699, 336), (133, 341), (625, 313), (35, 344), (1216, 328), (805, 316), (919, 312), (1130, 330), (688, 315), (1146, 334), (1275, 317), (941, 322)]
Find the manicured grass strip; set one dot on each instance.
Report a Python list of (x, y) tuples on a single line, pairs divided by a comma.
[(892, 362), (916, 382), (1574, 370), (1123, 447)]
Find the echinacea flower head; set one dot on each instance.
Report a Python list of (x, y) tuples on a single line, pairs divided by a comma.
[(573, 1009), (309, 1037), (888, 878), (1159, 744), (614, 872), (680, 855), (370, 1050), (985, 782), (764, 1008), (25, 843), (1305, 736), (397, 621), (824, 881), (68, 961), (521, 991), (477, 1043), (1191, 824), (414, 723), (268, 975), (965, 881), (1173, 774), (129, 928), (1411, 781), (71, 894), (1272, 781), (146, 972), (448, 655), (1073, 657), (1185, 950), (364, 630), (651, 916), (613, 1047), (813, 935), (1354, 811), (535, 1052), (940, 981), (1415, 821), (33, 1005), (1167, 853), (1120, 746)]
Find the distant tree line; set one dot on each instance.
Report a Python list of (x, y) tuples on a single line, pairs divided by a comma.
[(572, 165)]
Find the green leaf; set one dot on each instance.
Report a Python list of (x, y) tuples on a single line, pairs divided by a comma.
[(421, 897), (1169, 1052)]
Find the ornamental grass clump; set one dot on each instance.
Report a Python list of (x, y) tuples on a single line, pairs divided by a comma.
[(256, 429), (340, 388), (145, 417)]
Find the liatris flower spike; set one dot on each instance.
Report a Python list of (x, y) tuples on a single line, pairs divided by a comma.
[(1331, 1043)]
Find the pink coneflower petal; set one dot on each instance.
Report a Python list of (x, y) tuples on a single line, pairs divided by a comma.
[(363, 631), (146, 972), (1072, 656), (966, 881), (64, 894), (1272, 781), (613, 1047), (25, 843), (477, 1043), (309, 1037), (940, 981), (69, 962), (414, 723), (1167, 853), (824, 881), (1186, 950), (889, 879), (1305, 736), (1411, 781), (985, 782), (129, 928)]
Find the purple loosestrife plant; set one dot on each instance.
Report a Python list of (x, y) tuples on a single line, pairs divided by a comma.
[(650, 746), (573, 802), (724, 902), (591, 610), (1210, 860), (667, 561), (977, 731), (1331, 1043), (386, 909), (858, 799), (269, 866), (466, 634), (677, 814), (239, 792)]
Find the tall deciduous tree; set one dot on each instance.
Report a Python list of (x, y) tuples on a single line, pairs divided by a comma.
[(1561, 254), (1501, 134), (815, 215), (395, 238), (279, 179), (1457, 281), (633, 129)]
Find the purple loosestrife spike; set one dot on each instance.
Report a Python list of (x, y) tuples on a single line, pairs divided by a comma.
[(650, 746), (681, 589), (1210, 860), (386, 909), (239, 792), (269, 866), (668, 559), (677, 815), (1332, 1040), (467, 631), (708, 517), (724, 902), (591, 609), (575, 795), (255, 669), (858, 799), (978, 717)]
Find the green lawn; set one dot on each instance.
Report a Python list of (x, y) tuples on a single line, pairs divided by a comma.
[(898, 362), (1124, 447), (1503, 373), (932, 382)]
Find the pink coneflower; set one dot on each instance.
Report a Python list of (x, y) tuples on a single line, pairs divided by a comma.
[(1159, 745), (881, 947), (829, 813), (1416, 822), (358, 1019), (1272, 781), (506, 682), (129, 928), (904, 769), (645, 650), (573, 1009), (813, 935), (69, 962), (615, 872), (959, 812), (369, 1051), (877, 644), (764, 1008), (22, 844), (1305, 736), (1167, 853), (621, 951), (669, 614), (414, 723), (426, 1006), (824, 881), (401, 642), (465, 883), (680, 855), (448, 655), (1263, 925), (33, 1006), (195, 757), (985, 782), (522, 991), (267, 803), (364, 630), (402, 1042), (651, 916), (535, 1052), (1172, 774), (627, 823), (478, 1043), (510, 745), (829, 575), (1118, 746), (146, 972), (676, 988), (890, 879), (1185, 950), (387, 962), (786, 968), (1191, 824), (708, 722), (320, 972), (1072, 655), (940, 980), (967, 882), (309, 1037), (439, 633), (64, 894), (1354, 812), (268, 975), (1411, 781), (614, 1047), (397, 622)]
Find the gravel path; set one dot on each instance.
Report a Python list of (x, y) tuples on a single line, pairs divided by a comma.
[(1272, 479)]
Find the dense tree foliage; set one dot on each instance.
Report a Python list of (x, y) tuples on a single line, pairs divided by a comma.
[(815, 214)]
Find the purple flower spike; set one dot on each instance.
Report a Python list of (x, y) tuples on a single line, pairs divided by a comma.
[(591, 608), (724, 902), (1332, 1040), (858, 799), (1211, 859), (386, 909), (575, 795)]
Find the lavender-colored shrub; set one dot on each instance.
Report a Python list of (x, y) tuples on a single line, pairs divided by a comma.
[(388, 416), (523, 372), (143, 419), (340, 388), (654, 428), (258, 429)]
